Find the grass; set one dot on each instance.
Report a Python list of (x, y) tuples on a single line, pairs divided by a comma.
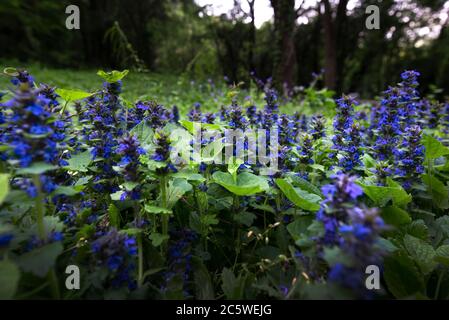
[(166, 89)]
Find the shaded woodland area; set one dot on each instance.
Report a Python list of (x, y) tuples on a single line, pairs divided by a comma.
[(179, 36)]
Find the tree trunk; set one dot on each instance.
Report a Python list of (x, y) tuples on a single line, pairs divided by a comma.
[(284, 52), (252, 36), (330, 55), (334, 31)]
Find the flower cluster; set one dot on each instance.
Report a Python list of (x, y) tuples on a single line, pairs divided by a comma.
[(333, 209), (179, 256), (129, 149), (354, 230), (410, 157), (32, 134), (347, 138), (116, 251)]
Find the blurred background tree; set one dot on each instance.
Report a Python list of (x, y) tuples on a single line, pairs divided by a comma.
[(183, 37)]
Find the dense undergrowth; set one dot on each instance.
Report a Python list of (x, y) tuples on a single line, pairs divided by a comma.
[(88, 179)]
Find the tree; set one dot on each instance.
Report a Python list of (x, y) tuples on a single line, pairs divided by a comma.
[(334, 19), (284, 52)]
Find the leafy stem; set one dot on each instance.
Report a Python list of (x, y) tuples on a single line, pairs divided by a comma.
[(40, 209)]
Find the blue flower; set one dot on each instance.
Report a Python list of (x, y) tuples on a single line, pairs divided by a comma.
[(5, 239)]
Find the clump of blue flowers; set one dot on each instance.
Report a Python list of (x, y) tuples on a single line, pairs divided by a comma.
[(117, 252)]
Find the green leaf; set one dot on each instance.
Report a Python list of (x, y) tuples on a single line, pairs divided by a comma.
[(395, 216), (112, 76), (443, 225), (37, 168), (79, 162), (209, 219), (189, 176), (39, 261), (442, 255), (9, 279), (116, 196), (246, 218), (421, 252), (335, 256), (400, 197), (299, 226), (439, 192), (156, 210), (72, 94), (418, 229), (176, 189), (401, 275), (203, 283), (301, 198), (4, 186), (157, 239), (382, 195), (434, 148), (144, 134), (233, 287), (246, 184), (67, 191), (189, 125), (304, 185), (114, 216), (130, 185), (233, 167)]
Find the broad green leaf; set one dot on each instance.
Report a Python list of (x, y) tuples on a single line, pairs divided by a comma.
[(67, 190), (434, 148), (233, 287), (193, 127), (382, 195), (299, 226), (304, 185), (442, 255), (209, 219), (72, 94), (395, 216), (112, 76), (130, 185), (204, 289), (401, 275), (246, 184), (144, 134), (212, 151), (400, 197), (79, 162), (9, 279), (418, 229), (421, 252), (156, 210), (443, 225), (4, 186), (37, 168), (438, 190), (246, 218), (301, 198), (176, 189), (157, 239), (39, 261), (116, 196), (189, 176)]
